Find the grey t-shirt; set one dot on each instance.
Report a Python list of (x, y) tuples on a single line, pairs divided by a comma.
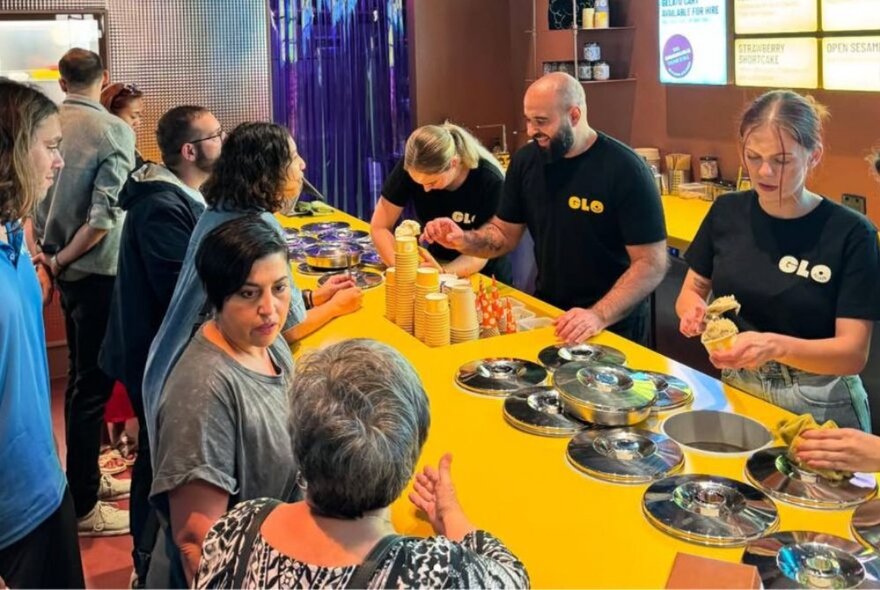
[(224, 424)]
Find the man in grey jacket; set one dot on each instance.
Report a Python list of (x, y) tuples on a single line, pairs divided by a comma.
[(78, 228)]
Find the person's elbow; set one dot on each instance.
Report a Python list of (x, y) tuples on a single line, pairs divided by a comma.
[(854, 363)]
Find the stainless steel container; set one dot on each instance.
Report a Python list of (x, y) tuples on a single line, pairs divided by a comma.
[(333, 256), (716, 432), (605, 394)]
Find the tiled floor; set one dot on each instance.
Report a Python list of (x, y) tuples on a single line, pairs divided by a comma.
[(106, 560)]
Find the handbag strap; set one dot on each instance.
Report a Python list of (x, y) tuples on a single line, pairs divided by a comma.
[(250, 536), (365, 571)]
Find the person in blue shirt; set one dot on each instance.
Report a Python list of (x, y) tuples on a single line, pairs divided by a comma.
[(38, 539)]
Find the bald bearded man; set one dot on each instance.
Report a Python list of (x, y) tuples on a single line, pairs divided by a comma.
[(593, 210)]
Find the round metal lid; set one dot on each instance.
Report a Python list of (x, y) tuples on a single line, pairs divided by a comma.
[(333, 249), (866, 524), (672, 392), (344, 235), (625, 455), (365, 279), (300, 242), (773, 472), (305, 269), (604, 386), (709, 510), (555, 356), (803, 559), (372, 259), (499, 376), (290, 232), (320, 227), (538, 410)]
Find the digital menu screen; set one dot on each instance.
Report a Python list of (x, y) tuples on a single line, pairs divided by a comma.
[(850, 15), (693, 41), (851, 63), (758, 17), (784, 62)]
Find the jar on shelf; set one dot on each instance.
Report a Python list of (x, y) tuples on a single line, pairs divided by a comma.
[(601, 71), (567, 67), (709, 168), (602, 17), (549, 67), (585, 71), (592, 51)]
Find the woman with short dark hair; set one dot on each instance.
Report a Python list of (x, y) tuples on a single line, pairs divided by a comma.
[(358, 420), (222, 423)]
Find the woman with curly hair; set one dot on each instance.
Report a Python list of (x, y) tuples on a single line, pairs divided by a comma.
[(258, 172)]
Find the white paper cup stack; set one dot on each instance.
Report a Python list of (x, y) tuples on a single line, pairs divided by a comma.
[(436, 319), (463, 322), (427, 282), (390, 292), (406, 263)]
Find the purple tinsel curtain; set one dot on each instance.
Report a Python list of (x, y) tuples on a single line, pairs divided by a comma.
[(342, 86)]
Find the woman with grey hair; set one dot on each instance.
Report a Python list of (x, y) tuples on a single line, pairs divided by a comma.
[(358, 420)]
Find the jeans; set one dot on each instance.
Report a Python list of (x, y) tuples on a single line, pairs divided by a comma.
[(144, 523), (827, 397), (86, 305)]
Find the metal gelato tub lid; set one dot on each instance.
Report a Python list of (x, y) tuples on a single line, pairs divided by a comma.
[(866, 524), (555, 356), (345, 234), (320, 227), (772, 471), (804, 559), (709, 510), (604, 386), (499, 376), (538, 410), (625, 455), (672, 392)]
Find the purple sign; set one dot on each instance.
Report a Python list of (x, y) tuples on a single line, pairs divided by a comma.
[(678, 56)]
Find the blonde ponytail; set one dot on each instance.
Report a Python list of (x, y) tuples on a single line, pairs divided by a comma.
[(430, 149)]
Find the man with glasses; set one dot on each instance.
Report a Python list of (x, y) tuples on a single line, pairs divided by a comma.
[(163, 204), (78, 228)]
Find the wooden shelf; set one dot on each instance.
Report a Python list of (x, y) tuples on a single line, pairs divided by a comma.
[(611, 81), (595, 30)]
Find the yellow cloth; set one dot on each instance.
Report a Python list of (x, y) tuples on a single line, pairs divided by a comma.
[(790, 433)]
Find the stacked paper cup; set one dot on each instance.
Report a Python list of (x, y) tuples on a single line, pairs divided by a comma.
[(427, 281), (463, 322), (406, 263), (390, 292), (436, 319)]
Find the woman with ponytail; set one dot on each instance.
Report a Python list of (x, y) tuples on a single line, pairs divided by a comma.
[(445, 172)]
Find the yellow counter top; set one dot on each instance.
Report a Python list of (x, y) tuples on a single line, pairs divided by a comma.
[(569, 529), (683, 219)]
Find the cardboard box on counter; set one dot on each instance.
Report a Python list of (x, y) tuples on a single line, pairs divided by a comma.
[(692, 571)]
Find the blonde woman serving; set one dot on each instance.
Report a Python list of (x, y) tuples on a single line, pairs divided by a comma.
[(445, 172)]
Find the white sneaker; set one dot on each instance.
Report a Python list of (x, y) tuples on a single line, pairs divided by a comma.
[(105, 520), (111, 488)]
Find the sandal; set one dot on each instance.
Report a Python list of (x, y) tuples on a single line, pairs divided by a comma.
[(110, 462), (127, 449)]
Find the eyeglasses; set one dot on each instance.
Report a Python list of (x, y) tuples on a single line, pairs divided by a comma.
[(220, 133)]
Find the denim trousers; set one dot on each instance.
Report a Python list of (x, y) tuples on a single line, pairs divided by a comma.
[(827, 397)]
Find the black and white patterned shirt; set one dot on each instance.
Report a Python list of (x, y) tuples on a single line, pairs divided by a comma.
[(479, 561)]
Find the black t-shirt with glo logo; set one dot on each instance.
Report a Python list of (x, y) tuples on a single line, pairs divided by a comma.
[(470, 206), (791, 276), (582, 213)]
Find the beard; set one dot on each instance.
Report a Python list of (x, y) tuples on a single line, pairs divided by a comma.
[(204, 162), (560, 143)]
